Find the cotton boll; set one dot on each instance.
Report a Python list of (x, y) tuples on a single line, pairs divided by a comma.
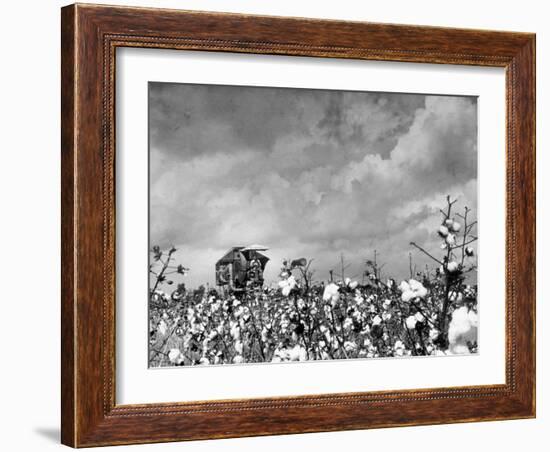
[(462, 329), (419, 317), (452, 266), (456, 226), (411, 322), (238, 359), (450, 240), (404, 286), (330, 292), (175, 356), (162, 327), (443, 231), (239, 347), (469, 251), (298, 353), (412, 289)]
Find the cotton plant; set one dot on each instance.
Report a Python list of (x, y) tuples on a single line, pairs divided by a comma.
[(304, 316)]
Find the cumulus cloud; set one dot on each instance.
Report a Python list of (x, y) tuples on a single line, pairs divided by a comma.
[(310, 173)]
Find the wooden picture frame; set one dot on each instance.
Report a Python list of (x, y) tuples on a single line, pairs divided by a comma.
[(90, 36)]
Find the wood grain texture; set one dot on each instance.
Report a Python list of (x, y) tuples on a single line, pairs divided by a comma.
[(90, 36)]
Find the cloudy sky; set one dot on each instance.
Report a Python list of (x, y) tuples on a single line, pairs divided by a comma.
[(307, 173)]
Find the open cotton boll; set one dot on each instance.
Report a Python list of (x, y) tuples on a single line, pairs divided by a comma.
[(175, 356), (412, 289), (287, 285), (331, 292), (297, 353), (462, 329), (418, 289), (452, 266), (238, 359), (411, 322), (419, 317), (443, 231), (162, 327)]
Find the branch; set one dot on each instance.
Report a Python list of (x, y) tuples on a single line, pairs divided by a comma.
[(426, 253)]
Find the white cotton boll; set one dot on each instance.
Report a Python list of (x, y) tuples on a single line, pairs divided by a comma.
[(418, 289), (469, 251), (443, 231), (412, 289), (399, 348), (348, 323), (434, 334), (450, 240), (386, 316), (419, 317), (352, 285), (404, 286), (411, 322), (238, 359), (459, 349), (239, 347), (377, 320), (175, 356), (298, 353), (331, 290), (455, 296), (204, 361), (347, 281), (235, 332), (462, 329), (452, 266), (456, 226), (286, 285), (162, 327), (448, 222)]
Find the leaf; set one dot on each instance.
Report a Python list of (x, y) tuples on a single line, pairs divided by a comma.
[(302, 262)]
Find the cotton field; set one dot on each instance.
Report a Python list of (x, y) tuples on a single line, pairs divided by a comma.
[(433, 312)]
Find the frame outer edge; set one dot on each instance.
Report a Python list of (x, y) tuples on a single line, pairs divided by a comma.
[(525, 61), (68, 230), (86, 419)]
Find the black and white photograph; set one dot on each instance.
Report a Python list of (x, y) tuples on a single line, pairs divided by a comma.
[(291, 224)]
